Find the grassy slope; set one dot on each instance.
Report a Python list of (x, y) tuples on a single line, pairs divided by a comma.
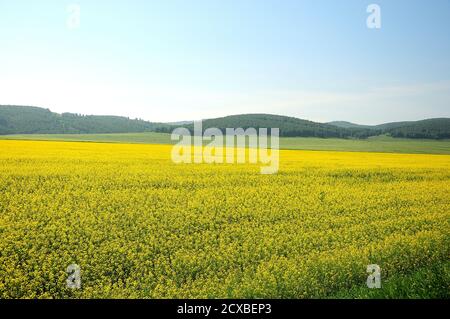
[(374, 144), (146, 138)]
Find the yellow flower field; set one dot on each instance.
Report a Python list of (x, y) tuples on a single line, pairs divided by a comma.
[(140, 226)]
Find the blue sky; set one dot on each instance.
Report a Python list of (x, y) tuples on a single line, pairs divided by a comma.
[(182, 60)]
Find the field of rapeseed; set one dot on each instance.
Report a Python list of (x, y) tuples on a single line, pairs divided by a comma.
[(140, 226)]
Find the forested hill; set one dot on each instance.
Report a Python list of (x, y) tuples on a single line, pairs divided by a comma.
[(29, 120), (432, 128), (438, 128), (35, 120), (289, 126), (345, 124)]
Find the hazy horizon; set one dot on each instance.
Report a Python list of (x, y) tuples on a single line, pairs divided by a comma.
[(179, 61)]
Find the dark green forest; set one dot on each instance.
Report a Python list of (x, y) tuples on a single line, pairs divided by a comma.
[(438, 128), (35, 120), (289, 126)]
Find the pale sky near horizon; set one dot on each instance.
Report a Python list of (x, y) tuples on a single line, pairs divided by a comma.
[(176, 60)]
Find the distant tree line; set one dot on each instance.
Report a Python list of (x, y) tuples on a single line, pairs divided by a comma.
[(35, 120), (434, 129)]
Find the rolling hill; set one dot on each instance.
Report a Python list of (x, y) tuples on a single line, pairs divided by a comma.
[(345, 124), (289, 126), (35, 120), (438, 128)]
